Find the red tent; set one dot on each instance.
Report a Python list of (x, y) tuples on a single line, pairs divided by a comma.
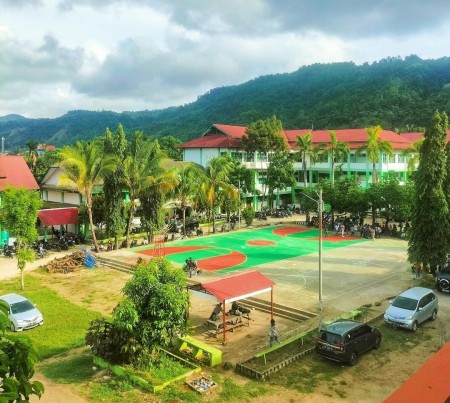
[(236, 287)]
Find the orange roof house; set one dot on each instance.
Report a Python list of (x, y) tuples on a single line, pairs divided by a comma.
[(14, 171)]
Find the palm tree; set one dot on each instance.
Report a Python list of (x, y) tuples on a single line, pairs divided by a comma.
[(32, 156), (189, 180), (216, 179), (142, 169), (305, 149), (374, 147), (413, 152), (85, 165), (335, 150)]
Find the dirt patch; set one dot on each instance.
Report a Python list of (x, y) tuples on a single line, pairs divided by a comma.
[(98, 289)]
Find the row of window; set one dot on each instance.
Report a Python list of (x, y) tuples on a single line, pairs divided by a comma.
[(243, 156)]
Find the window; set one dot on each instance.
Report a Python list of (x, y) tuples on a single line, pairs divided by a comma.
[(357, 158), (322, 158), (358, 332)]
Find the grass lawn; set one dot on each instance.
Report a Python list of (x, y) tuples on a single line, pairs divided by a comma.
[(65, 324)]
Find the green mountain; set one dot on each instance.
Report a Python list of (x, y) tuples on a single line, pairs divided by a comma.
[(398, 94)]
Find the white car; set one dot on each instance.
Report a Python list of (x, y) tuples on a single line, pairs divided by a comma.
[(411, 308), (22, 313)]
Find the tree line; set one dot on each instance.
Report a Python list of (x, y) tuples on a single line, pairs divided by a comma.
[(398, 94)]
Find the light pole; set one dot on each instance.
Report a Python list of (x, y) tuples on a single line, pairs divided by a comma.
[(320, 211), (320, 258), (239, 210)]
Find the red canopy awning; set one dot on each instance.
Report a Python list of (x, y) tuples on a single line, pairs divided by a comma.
[(234, 288), (58, 216), (239, 286)]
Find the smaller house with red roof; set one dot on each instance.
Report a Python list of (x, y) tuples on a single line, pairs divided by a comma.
[(220, 139), (14, 171), (42, 148)]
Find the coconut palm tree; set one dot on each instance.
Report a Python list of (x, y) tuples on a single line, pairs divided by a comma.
[(413, 153), (216, 179), (143, 169), (334, 150), (32, 155), (85, 165), (189, 181), (305, 149), (374, 148)]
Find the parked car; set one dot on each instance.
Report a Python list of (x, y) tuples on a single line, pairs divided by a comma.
[(443, 279), (22, 313), (412, 307), (346, 340)]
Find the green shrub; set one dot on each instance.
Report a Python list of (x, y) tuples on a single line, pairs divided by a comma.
[(249, 214)]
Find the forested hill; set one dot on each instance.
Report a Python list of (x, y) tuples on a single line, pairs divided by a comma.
[(395, 93)]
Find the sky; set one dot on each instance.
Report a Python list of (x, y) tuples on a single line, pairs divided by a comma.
[(133, 55)]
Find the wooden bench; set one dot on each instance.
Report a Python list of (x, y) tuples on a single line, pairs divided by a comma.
[(200, 350), (232, 322)]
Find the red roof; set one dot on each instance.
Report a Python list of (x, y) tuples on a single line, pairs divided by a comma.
[(46, 147), (236, 132), (14, 171), (239, 286), (58, 216), (429, 383), (413, 137), (213, 141), (291, 135), (227, 136)]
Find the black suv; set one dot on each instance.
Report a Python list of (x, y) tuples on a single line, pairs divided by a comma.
[(443, 278), (346, 340)]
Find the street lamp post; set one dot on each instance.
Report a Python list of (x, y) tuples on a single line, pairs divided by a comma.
[(239, 210), (320, 258), (320, 211)]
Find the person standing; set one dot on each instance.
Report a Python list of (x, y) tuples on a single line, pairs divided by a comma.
[(273, 333)]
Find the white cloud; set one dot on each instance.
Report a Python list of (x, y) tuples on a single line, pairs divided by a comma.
[(58, 55)]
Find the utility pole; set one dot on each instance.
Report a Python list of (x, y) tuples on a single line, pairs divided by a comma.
[(239, 210), (320, 211), (320, 258)]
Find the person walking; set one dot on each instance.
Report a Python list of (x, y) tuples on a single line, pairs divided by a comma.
[(273, 333)]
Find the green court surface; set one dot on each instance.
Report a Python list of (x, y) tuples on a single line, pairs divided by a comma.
[(244, 249)]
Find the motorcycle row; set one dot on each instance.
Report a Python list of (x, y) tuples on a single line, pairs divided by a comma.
[(278, 213), (41, 248)]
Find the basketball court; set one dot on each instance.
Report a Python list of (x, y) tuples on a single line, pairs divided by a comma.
[(235, 251), (355, 270)]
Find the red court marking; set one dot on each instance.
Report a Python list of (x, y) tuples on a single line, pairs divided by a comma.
[(261, 243), (222, 262), (337, 238), (283, 231), (171, 250)]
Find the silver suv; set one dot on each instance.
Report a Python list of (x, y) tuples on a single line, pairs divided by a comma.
[(412, 307)]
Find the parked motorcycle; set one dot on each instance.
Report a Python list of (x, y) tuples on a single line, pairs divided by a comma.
[(9, 251), (41, 252)]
